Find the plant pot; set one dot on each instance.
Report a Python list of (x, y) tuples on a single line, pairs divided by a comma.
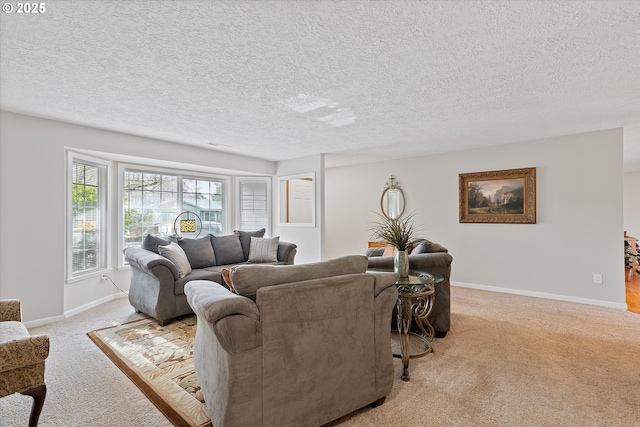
[(401, 263)]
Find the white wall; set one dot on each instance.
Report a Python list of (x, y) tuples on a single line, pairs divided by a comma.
[(579, 216), (580, 212), (32, 207), (309, 239), (632, 203)]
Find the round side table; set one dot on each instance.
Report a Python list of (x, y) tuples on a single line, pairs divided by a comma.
[(416, 294)]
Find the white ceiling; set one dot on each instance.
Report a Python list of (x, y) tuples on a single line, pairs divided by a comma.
[(359, 80)]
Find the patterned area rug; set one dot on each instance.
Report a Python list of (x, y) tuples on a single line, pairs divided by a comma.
[(159, 360)]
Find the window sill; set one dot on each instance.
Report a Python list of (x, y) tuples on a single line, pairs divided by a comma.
[(91, 275)]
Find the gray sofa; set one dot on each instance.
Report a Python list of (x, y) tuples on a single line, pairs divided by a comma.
[(295, 345), (157, 284), (432, 258)]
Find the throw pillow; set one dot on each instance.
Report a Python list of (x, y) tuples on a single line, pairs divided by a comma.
[(420, 249), (175, 254), (264, 250), (199, 252), (226, 276), (245, 240), (227, 249), (151, 242), (390, 250)]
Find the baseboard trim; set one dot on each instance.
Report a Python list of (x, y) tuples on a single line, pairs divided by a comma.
[(89, 306), (72, 312), (43, 321), (544, 295)]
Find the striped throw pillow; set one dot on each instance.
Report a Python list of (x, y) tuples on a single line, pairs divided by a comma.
[(263, 249)]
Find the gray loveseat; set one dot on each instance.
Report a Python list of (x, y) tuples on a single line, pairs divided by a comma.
[(157, 284), (296, 345), (432, 258)]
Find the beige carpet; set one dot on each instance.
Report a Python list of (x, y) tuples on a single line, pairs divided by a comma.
[(508, 361), (521, 361), (159, 360)]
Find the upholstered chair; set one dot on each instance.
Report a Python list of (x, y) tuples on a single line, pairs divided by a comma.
[(293, 345), (22, 358)]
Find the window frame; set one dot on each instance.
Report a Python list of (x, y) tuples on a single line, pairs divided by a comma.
[(181, 174), (104, 245)]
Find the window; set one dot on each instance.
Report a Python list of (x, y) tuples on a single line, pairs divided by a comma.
[(204, 197), (253, 200), (153, 200), (88, 251)]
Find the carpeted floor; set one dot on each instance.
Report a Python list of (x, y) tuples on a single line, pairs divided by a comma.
[(508, 361), (84, 387)]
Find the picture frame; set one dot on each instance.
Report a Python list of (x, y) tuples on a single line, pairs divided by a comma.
[(503, 196)]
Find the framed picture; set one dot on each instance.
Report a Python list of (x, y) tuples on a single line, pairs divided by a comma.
[(505, 196)]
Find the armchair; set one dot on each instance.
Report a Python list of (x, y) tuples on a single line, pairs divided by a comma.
[(22, 358), (295, 345)]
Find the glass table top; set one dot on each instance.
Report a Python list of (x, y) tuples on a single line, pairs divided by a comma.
[(416, 277)]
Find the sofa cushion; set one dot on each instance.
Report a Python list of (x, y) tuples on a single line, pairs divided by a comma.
[(198, 274), (227, 249), (264, 250), (12, 330), (151, 242), (199, 251), (245, 240), (174, 252), (248, 278)]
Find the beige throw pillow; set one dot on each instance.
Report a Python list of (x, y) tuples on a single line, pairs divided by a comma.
[(390, 250), (263, 250), (176, 254)]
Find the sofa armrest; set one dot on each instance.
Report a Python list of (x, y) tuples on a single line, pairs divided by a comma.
[(381, 262), (286, 252), (146, 260), (10, 310), (213, 302), (383, 281), (374, 252), (23, 352), (431, 261), (436, 262), (234, 319)]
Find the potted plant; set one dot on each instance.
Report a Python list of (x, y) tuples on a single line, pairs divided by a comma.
[(398, 233)]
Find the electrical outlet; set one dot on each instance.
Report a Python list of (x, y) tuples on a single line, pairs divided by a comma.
[(104, 277), (597, 278)]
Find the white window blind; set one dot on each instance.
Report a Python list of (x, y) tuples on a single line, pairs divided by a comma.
[(88, 217), (253, 198)]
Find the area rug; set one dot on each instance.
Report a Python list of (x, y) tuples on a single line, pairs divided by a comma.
[(159, 360)]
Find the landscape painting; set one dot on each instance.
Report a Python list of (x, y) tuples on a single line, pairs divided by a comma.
[(506, 196)]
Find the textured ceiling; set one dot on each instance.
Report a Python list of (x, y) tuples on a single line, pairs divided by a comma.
[(359, 80)]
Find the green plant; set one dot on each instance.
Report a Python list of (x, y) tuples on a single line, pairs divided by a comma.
[(396, 232)]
